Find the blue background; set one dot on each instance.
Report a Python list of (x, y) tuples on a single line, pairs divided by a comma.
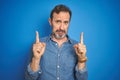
[(98, 19)]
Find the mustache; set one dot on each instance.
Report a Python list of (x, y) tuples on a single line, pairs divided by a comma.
[(60, 30)]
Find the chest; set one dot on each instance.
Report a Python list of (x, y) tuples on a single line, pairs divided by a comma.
[(65, 57)]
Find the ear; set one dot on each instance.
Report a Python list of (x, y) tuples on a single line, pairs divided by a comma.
[(50, 21)]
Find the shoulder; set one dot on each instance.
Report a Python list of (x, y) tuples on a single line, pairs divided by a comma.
[(45, 39), (73, 41)]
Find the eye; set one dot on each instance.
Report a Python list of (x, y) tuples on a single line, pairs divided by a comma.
[(66, 22), (58, 21)]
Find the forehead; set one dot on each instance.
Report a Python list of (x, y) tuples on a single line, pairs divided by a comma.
[(61, 16)]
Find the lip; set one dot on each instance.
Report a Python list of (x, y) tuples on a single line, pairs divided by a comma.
[(60, 32)]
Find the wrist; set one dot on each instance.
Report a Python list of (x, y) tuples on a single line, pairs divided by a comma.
[(81, 65), (82, 60), (35, 60), (35, 64)]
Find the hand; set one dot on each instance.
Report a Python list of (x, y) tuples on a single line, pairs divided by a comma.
[(80, 49), (38, 47)]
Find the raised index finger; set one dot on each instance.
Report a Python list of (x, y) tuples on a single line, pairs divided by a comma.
[(81, 38), (37, 37)]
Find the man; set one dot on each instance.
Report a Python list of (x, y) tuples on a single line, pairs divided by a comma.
[(58, 57)]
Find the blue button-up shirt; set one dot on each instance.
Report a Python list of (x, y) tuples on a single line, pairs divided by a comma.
[(57, 63)]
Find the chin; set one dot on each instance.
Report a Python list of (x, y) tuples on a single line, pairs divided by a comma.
[(60, 36)]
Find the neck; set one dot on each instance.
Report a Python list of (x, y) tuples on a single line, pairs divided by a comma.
[(59, 41)]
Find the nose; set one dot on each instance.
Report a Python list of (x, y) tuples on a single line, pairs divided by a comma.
[(61, 25)]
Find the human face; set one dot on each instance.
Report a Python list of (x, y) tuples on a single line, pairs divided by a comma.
[(60, 23)]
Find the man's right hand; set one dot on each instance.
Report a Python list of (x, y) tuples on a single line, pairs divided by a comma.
[(38, 47), (38, 50)]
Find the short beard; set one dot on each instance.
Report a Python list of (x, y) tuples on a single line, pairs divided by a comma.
[(57, 36)]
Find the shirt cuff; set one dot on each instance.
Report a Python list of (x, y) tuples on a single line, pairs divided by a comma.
[(31, 72), (80, 70)]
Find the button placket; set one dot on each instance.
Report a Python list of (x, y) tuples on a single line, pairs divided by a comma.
[(58, 78), (58, 65)]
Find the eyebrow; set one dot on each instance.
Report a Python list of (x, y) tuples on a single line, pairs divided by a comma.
[(66, 21), (58, 20)]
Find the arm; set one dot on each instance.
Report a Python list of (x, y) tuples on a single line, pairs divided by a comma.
[(33, 69), (31, 75), (80, 70)]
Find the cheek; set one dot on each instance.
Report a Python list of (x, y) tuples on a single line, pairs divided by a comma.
[(66, 28), (54, 28)]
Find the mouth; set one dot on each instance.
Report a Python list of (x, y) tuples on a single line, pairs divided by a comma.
[(60, 31), (60, 34)]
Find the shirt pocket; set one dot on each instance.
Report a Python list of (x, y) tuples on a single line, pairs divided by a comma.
[(69, 62)]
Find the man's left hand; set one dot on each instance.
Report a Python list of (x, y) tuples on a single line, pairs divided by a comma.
[(80, 49)]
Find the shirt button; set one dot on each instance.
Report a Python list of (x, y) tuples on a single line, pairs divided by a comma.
[(56, 44), (57, 78), (39, 72), (58, 66), (58, 54)]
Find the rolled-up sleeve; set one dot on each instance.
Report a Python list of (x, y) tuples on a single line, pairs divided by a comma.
[(81, 74), (31, 75)]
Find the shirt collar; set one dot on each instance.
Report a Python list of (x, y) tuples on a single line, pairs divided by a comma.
[(69, 39)]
